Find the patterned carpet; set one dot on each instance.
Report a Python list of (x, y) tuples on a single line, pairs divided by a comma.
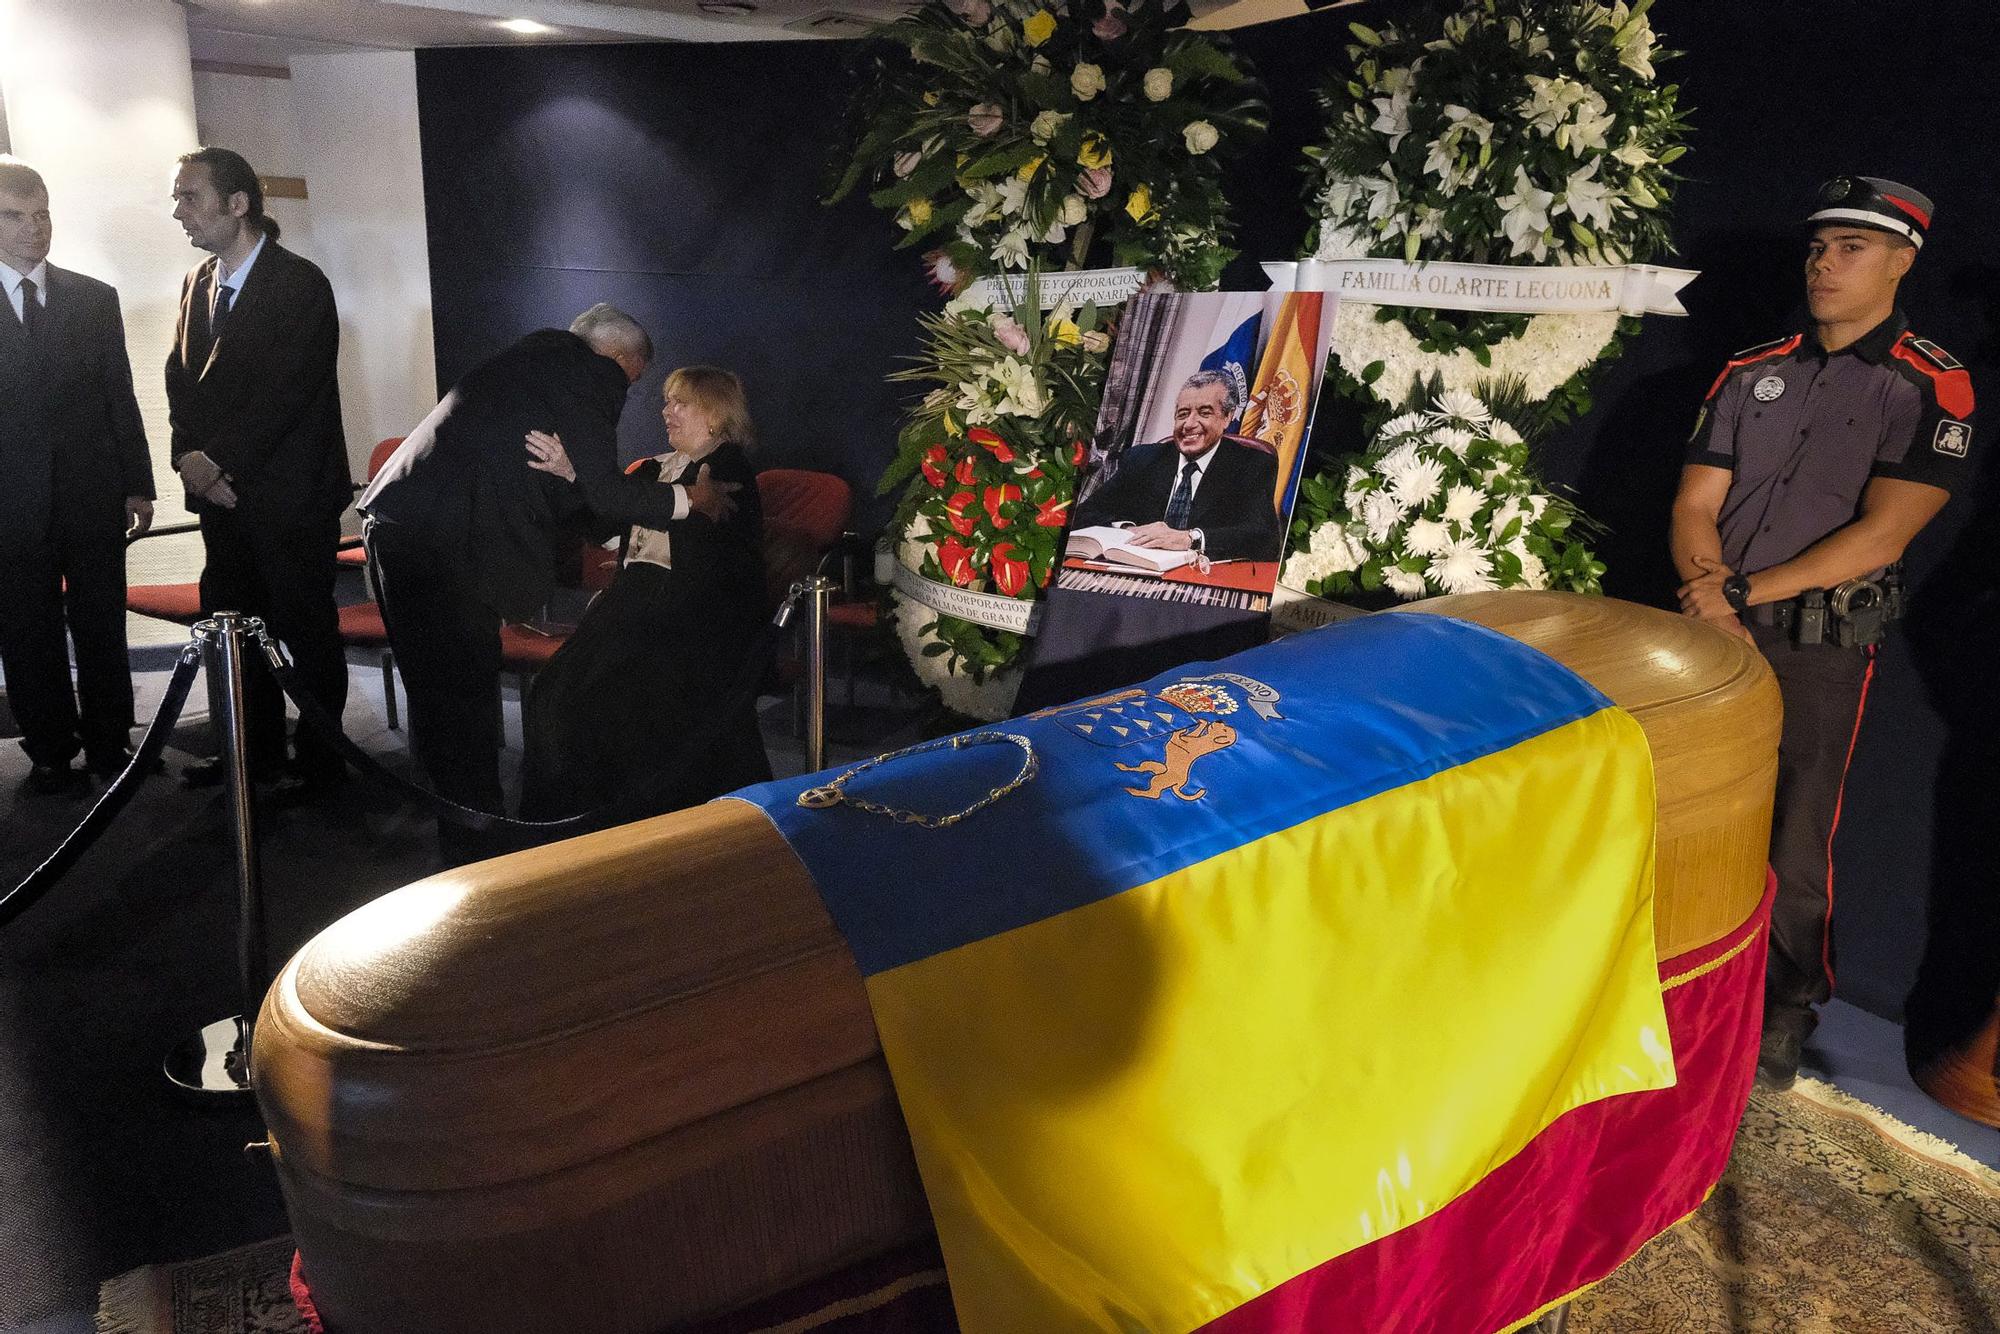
[(1824, 1224)]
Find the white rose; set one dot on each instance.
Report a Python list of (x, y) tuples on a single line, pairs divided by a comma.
[(1159, 84), (1046, 125), (1200, 136), (1086, 82), (1075, 208)]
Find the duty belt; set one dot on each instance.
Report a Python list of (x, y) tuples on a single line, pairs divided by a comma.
[(1853, 614)]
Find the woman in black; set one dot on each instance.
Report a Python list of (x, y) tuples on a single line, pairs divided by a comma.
[(650, 680)]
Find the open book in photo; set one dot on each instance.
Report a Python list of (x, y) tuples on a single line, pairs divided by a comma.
[(1113, 546)]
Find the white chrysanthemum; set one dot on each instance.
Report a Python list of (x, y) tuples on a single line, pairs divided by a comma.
[(1536, 505), (1462, 503), (1464, 567), (1397, 461), (1417, 483), (1504, 432), (1463, 405), (1534, 574), (1380, 513), (1336, 551), (1427, 537), (1454, 438), (1403, 425), (1403, 584), (1505, 513)]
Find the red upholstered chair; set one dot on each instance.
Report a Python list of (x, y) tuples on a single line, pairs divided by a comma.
[(176, 603), (351, 554)]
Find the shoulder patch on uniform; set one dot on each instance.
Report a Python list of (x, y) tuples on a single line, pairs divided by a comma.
[(1940, 358), (1953, 438), (1952, 384)]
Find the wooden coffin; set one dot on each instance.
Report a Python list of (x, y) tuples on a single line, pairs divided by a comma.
[(630, 1079)]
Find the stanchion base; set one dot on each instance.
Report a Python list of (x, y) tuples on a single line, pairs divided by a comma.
[(214, 1062)]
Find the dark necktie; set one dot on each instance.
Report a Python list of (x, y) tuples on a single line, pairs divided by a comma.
[(31, 309), (222, 299), (1181, 503)]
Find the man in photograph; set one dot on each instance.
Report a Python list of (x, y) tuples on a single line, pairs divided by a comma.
[(75, 478), (1815, 461), (254, 402), (1198, 491)]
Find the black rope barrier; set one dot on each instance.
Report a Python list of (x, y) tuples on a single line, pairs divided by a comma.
[(114, 799), (643, 801)]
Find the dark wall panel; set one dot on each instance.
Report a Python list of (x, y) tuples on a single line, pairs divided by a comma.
[(680, 183)]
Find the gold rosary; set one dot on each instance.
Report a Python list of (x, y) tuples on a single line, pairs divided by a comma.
[(835, 793)]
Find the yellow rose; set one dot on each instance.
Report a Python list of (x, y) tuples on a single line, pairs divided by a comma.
[(1065, 332), (1095, 152), (1140, 204), (1026, 171), (1040, 26)]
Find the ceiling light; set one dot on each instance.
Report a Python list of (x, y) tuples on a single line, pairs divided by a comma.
[(735, 9), (526, 27)]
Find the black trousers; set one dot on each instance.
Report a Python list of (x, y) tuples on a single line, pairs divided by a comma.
[(447, 646), (65, 586), (283, 574), (1825, 689)]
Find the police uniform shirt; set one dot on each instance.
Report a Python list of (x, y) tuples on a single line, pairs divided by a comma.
[(1804, 431)]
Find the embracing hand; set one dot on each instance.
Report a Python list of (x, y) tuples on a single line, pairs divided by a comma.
[(546, 454), (138, 515), (710, 498)]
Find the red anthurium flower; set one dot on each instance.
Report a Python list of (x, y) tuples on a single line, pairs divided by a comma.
[(1076, 454), (961, 522), (979, 435), (1036, 472), (1053, 512), (956, 557), (1010, 572), (963, 472), (933, 465), (996, 496)]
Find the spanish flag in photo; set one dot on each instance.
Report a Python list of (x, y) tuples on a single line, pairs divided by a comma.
[(1267, 961), (1287, 384)]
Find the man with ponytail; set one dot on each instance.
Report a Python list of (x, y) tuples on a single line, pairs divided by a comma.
[(254, 404)]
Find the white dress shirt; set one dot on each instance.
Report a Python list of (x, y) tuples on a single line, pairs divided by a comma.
[(11, 280)]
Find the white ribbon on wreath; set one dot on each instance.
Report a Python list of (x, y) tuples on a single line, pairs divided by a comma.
[(1550, 352)]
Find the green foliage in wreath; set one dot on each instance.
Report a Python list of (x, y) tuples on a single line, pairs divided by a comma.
[(1007, 134)]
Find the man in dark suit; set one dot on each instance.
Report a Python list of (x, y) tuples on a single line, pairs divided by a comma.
[(1198, 490), (75, 476), (465, 534), (254, 402)]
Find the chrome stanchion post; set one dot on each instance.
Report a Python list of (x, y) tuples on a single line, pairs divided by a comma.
[(819, 594), (216, 1060)]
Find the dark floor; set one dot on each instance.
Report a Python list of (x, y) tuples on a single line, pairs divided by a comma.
[(102, 1169)]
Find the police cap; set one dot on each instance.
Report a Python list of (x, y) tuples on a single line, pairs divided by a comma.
[(1870, 201)]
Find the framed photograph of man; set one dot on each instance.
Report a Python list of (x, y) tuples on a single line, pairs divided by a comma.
[(1198, 447), (1179, 524)]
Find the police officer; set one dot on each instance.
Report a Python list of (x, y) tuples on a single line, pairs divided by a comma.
[(1814, 462)]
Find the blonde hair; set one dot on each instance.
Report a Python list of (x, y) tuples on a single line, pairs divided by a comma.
[(719, 395)]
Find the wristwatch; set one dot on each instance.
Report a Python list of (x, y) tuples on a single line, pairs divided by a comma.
[(1736, 591)]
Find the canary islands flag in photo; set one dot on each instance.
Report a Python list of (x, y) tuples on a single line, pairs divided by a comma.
[(1249, 966)]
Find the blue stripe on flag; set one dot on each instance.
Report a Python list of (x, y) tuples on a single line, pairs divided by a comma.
[(1363, 708)]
